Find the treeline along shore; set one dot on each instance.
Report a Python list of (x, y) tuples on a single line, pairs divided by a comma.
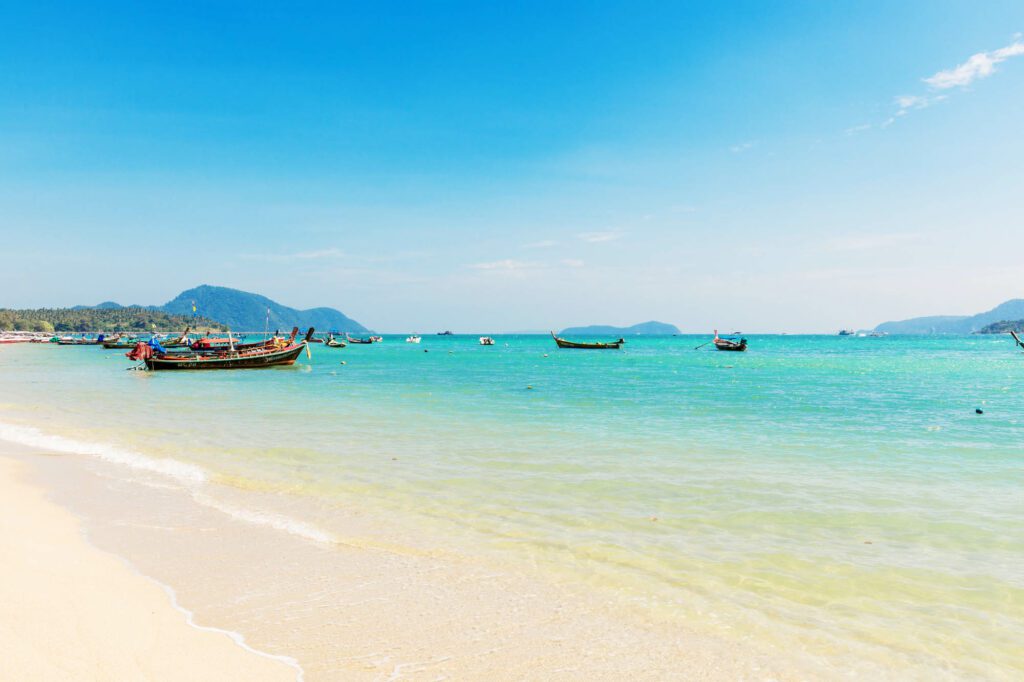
[(95, 319)]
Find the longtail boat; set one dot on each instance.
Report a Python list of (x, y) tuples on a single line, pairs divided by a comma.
[(607, 345), (1020, 344), (360, 341), (117, 344), (274, 353), (729, 344), (81, 341), (332, 342)]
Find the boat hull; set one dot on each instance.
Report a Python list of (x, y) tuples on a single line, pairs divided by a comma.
[(243, 360), (562, 343)]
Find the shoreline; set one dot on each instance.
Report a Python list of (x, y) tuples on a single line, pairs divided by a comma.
[(354, 612), (72, 611)]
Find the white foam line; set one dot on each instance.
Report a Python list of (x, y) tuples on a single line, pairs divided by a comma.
[(237, 637), (275, 521), (32, 437)]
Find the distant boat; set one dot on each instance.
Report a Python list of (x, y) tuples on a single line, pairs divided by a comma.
[(377, 339), (729, 344), (609, 345), (413, 339), (332, 342), (446, 332), (846, 332), (486, 341), (372, 339)]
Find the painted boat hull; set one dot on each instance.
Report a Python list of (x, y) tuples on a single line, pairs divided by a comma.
[(237, 360)]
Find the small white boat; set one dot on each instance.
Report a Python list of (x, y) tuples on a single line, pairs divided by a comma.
[(486, 341), (413, 339)]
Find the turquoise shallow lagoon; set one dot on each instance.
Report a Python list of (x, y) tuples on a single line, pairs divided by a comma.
[(835, 494)]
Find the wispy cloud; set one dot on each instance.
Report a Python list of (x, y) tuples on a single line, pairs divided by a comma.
[(598, 237), (572, 262), (300, 256), (977, 66), (504, 265), (742, 147), (542, 244), (870, 241), (980, 65)]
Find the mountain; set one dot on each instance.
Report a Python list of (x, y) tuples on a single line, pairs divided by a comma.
[(644, 328), (244, 311), (956, 324)]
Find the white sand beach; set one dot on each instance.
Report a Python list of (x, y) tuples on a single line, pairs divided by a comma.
[(69, 611)]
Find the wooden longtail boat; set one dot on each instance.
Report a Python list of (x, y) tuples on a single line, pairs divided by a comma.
[(729, 344), (117, 344), (359, 341), (282, 352), (332, 342), (610, 345), (1020, 344)]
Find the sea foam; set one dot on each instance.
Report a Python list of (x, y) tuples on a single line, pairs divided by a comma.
[(33, 437)]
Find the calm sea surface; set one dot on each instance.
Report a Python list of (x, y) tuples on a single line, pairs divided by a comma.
[(836, 494)]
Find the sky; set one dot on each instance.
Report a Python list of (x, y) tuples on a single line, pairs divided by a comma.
[(487, 167)]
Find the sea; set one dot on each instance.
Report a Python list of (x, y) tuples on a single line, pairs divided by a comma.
[(856, 499)]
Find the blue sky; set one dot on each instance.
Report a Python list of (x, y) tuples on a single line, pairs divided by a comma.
[(754, 166)]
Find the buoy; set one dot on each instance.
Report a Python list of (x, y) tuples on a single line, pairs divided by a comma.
[(529, 388), (545, 355), (425, 350), (977, 410), (343, 362)]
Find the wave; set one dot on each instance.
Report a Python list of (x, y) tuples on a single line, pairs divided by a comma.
[(32, 437), (190, 474)]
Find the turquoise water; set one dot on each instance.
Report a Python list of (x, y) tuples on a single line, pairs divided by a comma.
[(836, 494)]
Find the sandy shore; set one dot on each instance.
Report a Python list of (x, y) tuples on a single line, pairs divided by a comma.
[(69, 611)]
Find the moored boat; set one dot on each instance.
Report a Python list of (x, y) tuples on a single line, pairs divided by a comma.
[(363, 342), (486, 341), (729, 344), (602, 345), (413, 339), (276, 352), (332, 342)]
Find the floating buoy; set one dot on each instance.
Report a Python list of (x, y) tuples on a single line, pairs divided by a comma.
[(545, 355), (425, 350), (343, 362), (529, 388), (978, 410)]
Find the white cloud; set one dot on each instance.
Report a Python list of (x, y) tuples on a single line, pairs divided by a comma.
[(597, 237), (870, 241), (542, 244), (742, 147), (572, 262), (858, 129), (302, 255), (980, 65), (505, 265)]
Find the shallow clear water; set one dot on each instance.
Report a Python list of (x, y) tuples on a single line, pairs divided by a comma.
[(836, 494)]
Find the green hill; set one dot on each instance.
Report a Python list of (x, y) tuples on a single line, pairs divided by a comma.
[(643, 329), (1002, 327), (134, 319), (245, 311), (956, 324)]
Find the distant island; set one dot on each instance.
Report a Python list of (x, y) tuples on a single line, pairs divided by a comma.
[(243, 311), (79, 319), (957, 324), (643, 329), (1002, 327)]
